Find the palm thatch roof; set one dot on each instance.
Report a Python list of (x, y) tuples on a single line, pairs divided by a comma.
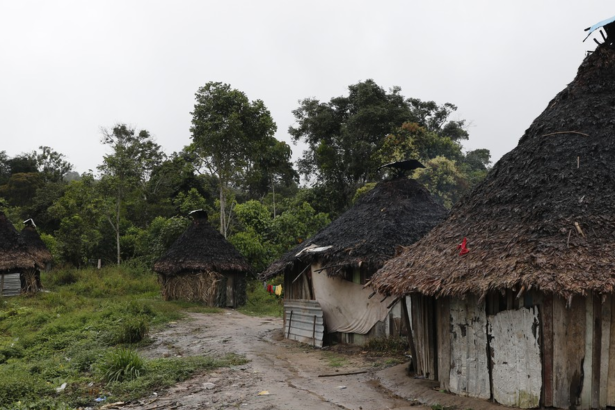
[(13, 256), (201, 248), (543, 218), (34, 245), (396, 212)]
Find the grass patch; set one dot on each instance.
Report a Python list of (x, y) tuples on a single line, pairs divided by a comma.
[(83, 333), (261, 303), (335, 360)]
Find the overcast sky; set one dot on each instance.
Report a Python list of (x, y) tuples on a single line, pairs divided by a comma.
[(68, 68)]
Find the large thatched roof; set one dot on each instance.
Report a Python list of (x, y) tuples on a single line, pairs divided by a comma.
[(13, 255), (394, 213), (34, 245), (201, 248), (521, 221)]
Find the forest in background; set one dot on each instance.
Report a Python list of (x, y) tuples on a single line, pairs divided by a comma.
[(136, 203)]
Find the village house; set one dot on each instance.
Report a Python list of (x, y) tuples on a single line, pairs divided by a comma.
[(202, 265), (324, 277), (22, 257), (516, 287)]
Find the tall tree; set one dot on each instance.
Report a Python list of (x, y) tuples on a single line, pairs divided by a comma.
[(129, 166), (349, 137), (52, 164), (231, 136)]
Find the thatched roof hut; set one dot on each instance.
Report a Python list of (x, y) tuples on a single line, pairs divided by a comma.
[(202, 265), (201, 248), (34, 245), (13, 256), (543, 218), (396, 212)]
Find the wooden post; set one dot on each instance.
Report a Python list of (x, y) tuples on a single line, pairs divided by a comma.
[(547, 349), (410, 337), (314, 332), (290, 319)]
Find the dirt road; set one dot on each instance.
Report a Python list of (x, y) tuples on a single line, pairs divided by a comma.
[(287, 370)]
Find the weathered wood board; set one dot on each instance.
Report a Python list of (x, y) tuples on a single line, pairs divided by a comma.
[(568, 351), (547, 350), (517, 368), (604, 348), (10, 284), (422, 312), (443, 337), (469, 373), (610, 388)]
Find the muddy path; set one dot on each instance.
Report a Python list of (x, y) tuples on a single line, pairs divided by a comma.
[(286, 369)]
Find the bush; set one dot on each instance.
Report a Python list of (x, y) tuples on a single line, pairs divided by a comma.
[(120, 365), (133, 330)]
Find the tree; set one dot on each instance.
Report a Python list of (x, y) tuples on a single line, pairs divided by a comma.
[(233, 136), (52, 164), (350, 137), (133, 159)]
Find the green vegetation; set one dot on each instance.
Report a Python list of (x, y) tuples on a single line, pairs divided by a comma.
[(84, 332), (261, 303), (335, 360), (391, 345)]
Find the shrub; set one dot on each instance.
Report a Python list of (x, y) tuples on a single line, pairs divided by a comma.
[(120, 365), (133, 330)]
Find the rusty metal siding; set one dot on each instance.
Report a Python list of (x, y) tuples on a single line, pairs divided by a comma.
[(306, 321)]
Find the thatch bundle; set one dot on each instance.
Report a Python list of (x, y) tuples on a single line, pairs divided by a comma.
[(195, 287), (396, 212), (543, 218)]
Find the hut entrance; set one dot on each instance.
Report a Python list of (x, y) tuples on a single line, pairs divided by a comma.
[(230, 291)]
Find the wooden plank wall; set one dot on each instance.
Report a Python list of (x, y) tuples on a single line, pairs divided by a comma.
[(469, 373), (423, 316), (443, 338)]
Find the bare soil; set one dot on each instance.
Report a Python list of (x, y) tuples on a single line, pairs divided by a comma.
[(284, 374)]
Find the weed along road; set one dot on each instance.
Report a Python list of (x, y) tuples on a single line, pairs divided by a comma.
[(278, 373)]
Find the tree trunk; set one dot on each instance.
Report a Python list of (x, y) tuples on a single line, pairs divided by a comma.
[(222, 210), (117, 225)]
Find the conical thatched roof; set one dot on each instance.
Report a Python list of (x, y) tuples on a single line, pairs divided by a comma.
[(13, 255), (34, 245), (521, 221), (201, 248), (397, 212)]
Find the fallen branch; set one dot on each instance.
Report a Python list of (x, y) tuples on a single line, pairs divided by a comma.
[(342, 374), (565, 132)]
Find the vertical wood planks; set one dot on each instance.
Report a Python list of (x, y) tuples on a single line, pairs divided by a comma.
[(443, 337), (423, 316), (469, 374), (517, 368), (547, 350), (568, 351), (610, 388), (596, 333), (586, 393), (604, 349)]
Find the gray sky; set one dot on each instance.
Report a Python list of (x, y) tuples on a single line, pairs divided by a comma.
[(68, 68)]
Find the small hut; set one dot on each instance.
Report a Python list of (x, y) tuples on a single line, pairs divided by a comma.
[(18, 268), (518, 282), (326, 274), (203, 266), (40, 256)]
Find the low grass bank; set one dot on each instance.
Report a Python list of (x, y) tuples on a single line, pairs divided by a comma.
[(76, 342)]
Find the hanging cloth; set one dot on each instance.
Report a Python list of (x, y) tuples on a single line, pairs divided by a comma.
[(278, 290)]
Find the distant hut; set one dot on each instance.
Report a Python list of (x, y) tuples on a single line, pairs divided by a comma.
[(39, 255), (326, 274), (203, 266), (18, 268), (527, 316)]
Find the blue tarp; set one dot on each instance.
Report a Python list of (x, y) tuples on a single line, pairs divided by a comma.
[(598, 25)]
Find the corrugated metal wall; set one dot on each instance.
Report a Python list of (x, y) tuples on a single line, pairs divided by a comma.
[(306, 321), (10, 285)]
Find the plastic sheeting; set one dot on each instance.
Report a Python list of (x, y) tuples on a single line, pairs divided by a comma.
[(346, 306)]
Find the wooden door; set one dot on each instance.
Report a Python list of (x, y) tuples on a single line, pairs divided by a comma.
[(516, 363)]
